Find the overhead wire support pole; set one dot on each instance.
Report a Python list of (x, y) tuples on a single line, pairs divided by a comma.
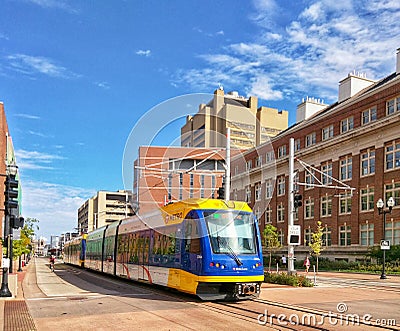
[(291, 208), (228, 165)]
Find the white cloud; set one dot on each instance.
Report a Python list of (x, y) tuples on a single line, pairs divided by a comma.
[(28, 116), (261, 87), (308, 54), (34, 160), (145, 53), (103, 85), (55, 206), (32, 65), (55, 4)]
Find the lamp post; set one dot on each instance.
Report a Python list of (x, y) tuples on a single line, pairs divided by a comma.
[(380, 205), (7, 259)]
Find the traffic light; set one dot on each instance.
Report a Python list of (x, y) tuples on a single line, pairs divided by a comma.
[(221, 192), (297, 200), (17, 222), (11, 193)]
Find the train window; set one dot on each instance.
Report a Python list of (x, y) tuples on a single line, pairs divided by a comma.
[(231, 231), (192, 237)]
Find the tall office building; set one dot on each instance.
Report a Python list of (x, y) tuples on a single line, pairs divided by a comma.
[(250, 125), (104, 208)]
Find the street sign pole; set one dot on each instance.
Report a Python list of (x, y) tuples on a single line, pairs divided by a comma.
[(291, 209)]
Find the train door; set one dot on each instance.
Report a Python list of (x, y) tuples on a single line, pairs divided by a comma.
[(191, 250), (144, 241)]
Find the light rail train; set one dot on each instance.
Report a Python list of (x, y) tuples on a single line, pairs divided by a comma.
[(207, 247)]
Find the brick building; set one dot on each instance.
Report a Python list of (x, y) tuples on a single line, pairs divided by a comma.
[(165, 174), (3, 156), (355, 140)]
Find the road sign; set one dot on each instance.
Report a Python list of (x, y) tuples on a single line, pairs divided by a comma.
[(385, 244), (294, 235)]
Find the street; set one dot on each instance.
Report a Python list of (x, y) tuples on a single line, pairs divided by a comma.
[(72, 298)]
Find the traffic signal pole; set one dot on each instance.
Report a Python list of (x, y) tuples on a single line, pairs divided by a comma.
[(291, 210)]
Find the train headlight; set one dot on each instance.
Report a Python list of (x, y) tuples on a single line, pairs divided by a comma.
[(217, 265), (212, 264)]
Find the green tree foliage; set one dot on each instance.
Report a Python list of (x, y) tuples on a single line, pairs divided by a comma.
[(316, 241), (271, 241), (391, 255), (24, 244)]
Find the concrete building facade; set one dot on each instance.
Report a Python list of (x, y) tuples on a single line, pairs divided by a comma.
[(104, 208), (250, 125), (355, 140)]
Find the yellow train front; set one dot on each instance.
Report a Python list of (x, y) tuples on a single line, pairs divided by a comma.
[(206, 247)]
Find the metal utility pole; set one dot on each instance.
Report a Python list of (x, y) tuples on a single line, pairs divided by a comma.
[(291, 208), (228, 164)]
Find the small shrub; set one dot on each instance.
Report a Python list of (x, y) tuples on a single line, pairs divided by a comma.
[(285, 279)]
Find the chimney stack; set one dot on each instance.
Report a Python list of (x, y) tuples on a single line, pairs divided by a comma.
[(398, 62)]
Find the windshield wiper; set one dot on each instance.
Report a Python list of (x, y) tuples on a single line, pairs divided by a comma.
[(232, 254)]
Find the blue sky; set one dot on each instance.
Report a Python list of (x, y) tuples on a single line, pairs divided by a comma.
[(76, 76)]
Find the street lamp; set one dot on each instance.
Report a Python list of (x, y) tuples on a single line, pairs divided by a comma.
[(10, 194), (380, 205)]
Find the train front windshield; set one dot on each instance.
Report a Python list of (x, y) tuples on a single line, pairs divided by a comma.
[(231, 231)]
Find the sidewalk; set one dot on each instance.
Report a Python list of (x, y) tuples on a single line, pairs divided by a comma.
[(16, 316)]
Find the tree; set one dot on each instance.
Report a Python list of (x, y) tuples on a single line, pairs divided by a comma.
[(271, 241), (24, 244), (316, 241)]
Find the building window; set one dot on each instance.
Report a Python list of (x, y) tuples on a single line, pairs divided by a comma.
[(345, 235), (236, 170), (202, 186), (392, 155), (326, 176), (309, 208), (393, 232), (281, 185), (297, 145), (282, 151), (248, 194), (393, 105), (281, 212), (311, 139), (258, 192), (249, 165), (310, 177), (269, 188), (259, 161), (269, 157), (327, 132), (326, 206), (368, 116), (367, 234), (191, 186), (347, 124), (169, 187), (180, 186), (345, 203), (213, 186), (367, 199), (235, 195), (258, 214), (392, 190), (281, 237), (327, 237), (307, 236), (346, 168), (268, 215), (368, 162)]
